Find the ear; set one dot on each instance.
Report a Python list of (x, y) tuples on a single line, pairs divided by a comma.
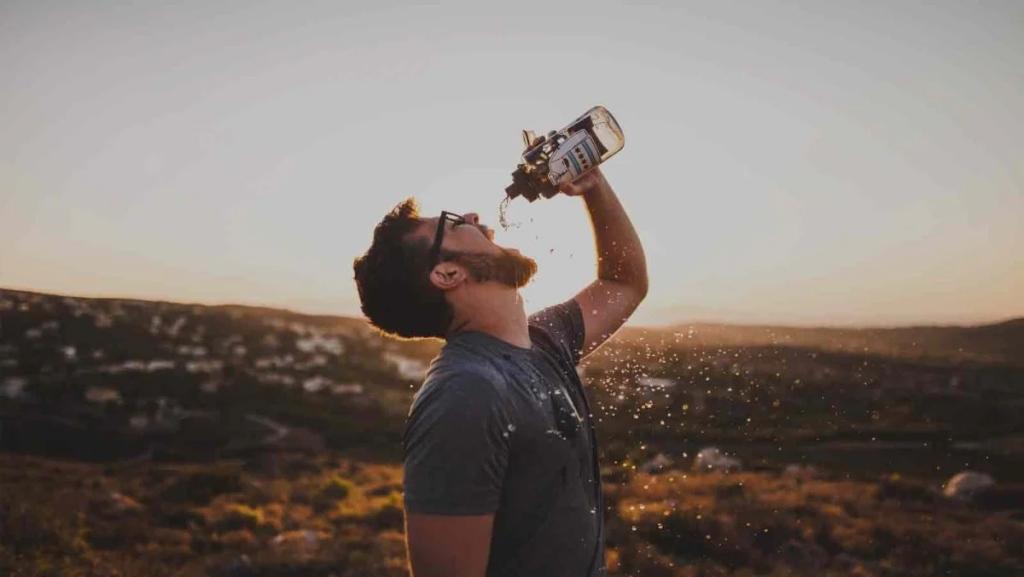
[(447, 276)]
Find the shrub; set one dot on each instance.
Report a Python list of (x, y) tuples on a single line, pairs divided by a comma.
[(389, 514), (333, 489), (200, 487), (336, 488), (238, 516), (40, 538), (730, 492), (898, 489)]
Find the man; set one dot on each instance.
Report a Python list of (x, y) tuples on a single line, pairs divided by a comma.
[(501, 474)]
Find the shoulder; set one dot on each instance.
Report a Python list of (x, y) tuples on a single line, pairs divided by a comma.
[(561, 328), (558, 317), (461, 376), (458, 400)]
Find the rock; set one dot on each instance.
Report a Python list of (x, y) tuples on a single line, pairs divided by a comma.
[(102, 395), (115, 504), (409, 369), (300, 543), (13, 387), (316, 383), (711, 459), (138, 422), (964, 486), (659, 463), (347, 389), (801, 472), (210, 387), (301, 440)]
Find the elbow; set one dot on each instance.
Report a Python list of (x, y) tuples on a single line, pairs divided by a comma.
[(636, 291), (637, 285), (641, 278), (641, 282), (641, 290)]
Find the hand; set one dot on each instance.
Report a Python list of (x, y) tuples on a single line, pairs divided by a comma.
[(586, 182)]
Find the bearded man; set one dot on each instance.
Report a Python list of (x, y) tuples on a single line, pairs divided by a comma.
[(500, 455)]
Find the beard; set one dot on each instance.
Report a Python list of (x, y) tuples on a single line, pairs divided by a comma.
[(508, 268)]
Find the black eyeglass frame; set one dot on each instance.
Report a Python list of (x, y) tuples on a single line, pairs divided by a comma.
[(435, 249)]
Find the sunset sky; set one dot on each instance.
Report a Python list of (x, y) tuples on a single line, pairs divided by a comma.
[(801, 163)]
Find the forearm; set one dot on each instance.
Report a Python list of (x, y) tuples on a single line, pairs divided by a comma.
[(620, 256)]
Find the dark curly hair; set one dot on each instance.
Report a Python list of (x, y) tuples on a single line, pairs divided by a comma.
[(393, 279)]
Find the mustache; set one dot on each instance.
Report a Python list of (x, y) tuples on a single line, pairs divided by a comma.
[(507, 268)]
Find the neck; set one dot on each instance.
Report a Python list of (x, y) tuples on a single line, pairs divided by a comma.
[(498, 312)]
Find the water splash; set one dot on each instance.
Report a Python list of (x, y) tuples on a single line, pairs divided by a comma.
[(503, 218)]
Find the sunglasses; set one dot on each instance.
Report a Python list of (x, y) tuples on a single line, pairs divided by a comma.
[(435, 249)]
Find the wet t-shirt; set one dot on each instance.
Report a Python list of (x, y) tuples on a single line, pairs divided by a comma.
[(502, 429)]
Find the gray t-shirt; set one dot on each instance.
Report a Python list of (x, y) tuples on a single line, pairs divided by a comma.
[(502, 429)]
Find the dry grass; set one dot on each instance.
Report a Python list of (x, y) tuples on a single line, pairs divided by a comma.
[(732, 524), (345, 518)]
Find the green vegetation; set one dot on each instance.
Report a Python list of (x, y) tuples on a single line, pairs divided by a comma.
[(156, 439)]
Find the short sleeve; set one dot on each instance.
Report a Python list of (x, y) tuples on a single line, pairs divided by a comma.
[(456, 445), (564, 324)]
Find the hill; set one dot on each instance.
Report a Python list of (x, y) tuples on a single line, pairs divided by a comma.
[(156, 438), (103, 378), (991, 343)]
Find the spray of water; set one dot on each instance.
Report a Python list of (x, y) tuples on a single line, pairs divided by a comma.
[(503, 218)]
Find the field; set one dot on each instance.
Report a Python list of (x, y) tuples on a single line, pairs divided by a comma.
[(141, 438)]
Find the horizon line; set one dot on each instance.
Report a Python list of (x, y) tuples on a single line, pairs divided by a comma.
[(628, 325)]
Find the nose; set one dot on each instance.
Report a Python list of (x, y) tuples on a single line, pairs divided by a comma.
[(472, 218)]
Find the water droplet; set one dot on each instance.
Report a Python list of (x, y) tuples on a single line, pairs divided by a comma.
[(503, 219)]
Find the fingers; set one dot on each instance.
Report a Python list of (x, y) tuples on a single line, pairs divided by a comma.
[(569, 188), (591, 179)]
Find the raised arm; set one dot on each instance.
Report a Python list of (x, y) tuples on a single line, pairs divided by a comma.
[(621, 266)]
